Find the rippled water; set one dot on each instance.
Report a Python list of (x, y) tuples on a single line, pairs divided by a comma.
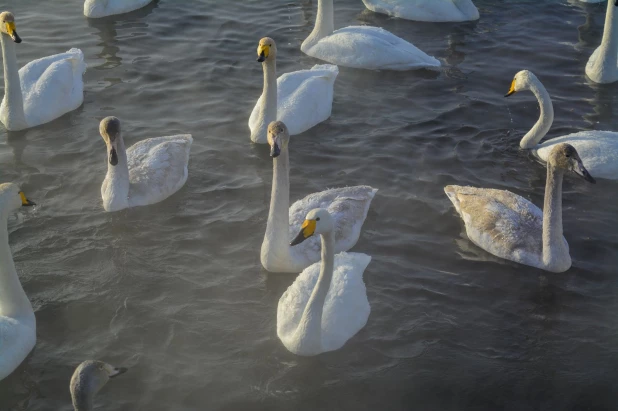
[(176, 292)]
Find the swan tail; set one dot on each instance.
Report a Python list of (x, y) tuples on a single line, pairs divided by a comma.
[(331, 71), (77, 59), (451, 192)]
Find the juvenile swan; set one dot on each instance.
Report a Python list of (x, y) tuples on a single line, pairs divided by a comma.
[(511, 227), (17, 323), (364, 47), (348, 206), (602, 66), (300, 99), (598, 149), (88, 379), (148, 172), (327, 304), (102, 8), (43, 89), (426, 10)]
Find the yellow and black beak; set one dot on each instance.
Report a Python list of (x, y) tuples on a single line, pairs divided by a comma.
[(10, 28), (306, 231), (24, 201), (511, 90), (263, 51)]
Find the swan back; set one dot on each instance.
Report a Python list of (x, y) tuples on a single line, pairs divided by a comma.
[(102, 8), (426, 10)]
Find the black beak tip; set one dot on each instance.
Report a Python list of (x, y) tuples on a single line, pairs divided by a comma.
[(260, 59), (299, 239), (120, 371), (275, 151), (29, 203), (113, 157)]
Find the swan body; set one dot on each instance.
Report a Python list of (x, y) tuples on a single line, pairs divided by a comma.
[(89, 377), (145, 173), (426, 10), (43, 89), (597, 149), (301, 99), (364, 47), (327, 303), (17, 321), (102, 8), (511, 227), (602, 67), (348, 207)]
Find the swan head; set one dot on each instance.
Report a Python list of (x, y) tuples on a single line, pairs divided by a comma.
[(11, 198), (267, 49), (7, 25), (89, 377), (522, 81), (109, 128), (318, 221), (278, 137), (564, 156)]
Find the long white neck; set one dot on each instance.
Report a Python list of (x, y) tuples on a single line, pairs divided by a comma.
[(605, 67), (324, 24), (309, 330), (543, 124), (14, 118), (276, 245), (116, 193), (268, 105), (555, 252), (13, 300)]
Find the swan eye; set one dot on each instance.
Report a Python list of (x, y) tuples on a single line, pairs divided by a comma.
[(568, 155), (317, 219)]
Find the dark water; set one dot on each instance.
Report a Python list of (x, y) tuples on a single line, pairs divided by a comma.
[(176, 292)]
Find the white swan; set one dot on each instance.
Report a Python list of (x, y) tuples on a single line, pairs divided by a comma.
[(102, 8), (88, 379), (348, 205), (365, 47), (598, 149), (300, 99), (327, 304), (426, 10), (147, 172), (43, 89), (602, 66), (17, 322), (511, 227)]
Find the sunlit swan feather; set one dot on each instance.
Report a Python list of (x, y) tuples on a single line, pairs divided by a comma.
[(327, 304), (43, 89), (88, 379), (301, 99), (147, 172), (364, 47), (598, 149), (348, 206), (511, 227), (426, 10), (17, 322), (602, 67), (103, 8)]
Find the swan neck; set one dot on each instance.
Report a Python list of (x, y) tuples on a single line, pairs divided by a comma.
[(310, 327), (14, 118), (13, 300), (324, 23), (82, 402), (546, 118), (609, 49), (268, 104), (555, 251), (120, 171), (116, 192)]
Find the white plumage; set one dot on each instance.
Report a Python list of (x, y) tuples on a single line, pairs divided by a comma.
[(102, 8), (426, 10)]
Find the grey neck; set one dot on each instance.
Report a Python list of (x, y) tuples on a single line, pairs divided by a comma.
[(15, 118), (82, 401), (268, 110), (117, 194), (546, 118), (13, 300), (324, 24), (555, 251)]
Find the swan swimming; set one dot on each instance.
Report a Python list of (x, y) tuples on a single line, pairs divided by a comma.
[(602, 67), (511, 227), (43, 89), (426, 10), (88, 379), (327, 304), (300, 99), (17, 322), (364, 47), (348, 206), (103, 8), (147, 172), (598, 149)]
